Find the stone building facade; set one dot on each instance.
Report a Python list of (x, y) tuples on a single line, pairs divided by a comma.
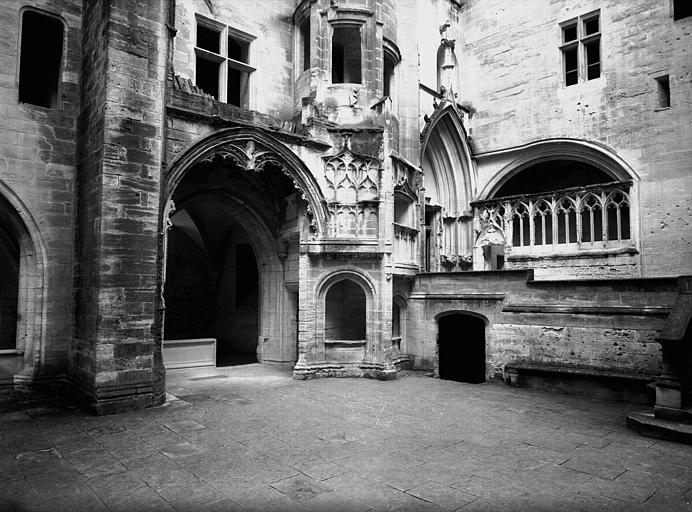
[(480, 188)]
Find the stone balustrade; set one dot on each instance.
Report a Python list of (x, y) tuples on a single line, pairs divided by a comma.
[(563, 221)]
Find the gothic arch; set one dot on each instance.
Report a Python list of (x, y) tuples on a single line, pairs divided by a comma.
[(449, 175), (322, 289), (250, 148), (32, 262), (598, 156)]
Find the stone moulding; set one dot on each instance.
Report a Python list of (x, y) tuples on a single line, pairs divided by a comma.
[(587, 310), (195, 107), (457, 296)]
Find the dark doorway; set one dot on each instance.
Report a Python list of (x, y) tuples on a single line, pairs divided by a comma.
[(238, 339), (461, 348)]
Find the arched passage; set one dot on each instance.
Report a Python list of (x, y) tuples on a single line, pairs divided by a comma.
[(461, 348), (22, 295), (237, 212)]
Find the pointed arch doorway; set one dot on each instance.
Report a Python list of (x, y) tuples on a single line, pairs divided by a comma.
[(449, 181)]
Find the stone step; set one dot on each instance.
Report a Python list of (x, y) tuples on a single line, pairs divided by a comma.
[(648, 425)]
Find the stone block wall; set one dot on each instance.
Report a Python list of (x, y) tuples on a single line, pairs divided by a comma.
[(37, 177), (510, 70), (116, 360), (602, 324)]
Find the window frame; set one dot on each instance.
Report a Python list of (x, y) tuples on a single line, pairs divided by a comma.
[(63, 56), (581, 43), (346, 25), (225, 62)]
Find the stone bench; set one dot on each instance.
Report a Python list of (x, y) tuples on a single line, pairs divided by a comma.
[(586, 382), (189, 353)]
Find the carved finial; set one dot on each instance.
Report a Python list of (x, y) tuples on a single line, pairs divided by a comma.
[(443, 29)]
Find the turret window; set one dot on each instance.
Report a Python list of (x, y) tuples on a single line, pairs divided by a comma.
[(346, 55)]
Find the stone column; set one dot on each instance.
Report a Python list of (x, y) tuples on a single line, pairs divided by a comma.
[(115, 356)]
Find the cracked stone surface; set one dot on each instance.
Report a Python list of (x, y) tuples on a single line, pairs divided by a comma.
[(251, 438)]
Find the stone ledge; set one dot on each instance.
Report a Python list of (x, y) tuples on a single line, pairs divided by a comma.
[(647, 425), (572, 380), (587, 310), (332, 369)]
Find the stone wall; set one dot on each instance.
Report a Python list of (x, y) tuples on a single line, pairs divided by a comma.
[(37, 175), (271, 53), (511, 73), (602, 324)]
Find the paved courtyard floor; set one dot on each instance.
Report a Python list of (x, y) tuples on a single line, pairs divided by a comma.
[(251, 438)]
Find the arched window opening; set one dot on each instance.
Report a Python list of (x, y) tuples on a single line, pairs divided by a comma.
[(346, 57), (560, 202), (461, 348), (566, 221), (591, 219), (543, 223), (553, 175), (618, 216), (345, 312)]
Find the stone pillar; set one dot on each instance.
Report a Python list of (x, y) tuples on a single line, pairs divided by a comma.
[(115, 356), (674, 386), (672, 417)]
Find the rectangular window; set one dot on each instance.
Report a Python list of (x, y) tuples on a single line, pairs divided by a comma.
[(663, 86), (682, 9), (569, 33), (593, 59), (581, 49), (305, 44), (222, 66), (571, 66), (40, 59), (346, 61)]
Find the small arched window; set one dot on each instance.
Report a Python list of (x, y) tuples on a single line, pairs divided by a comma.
[(345, 312)]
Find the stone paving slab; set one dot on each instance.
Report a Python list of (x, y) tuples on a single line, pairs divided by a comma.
[(249, 438)]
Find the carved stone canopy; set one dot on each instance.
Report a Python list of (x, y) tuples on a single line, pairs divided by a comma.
[(252, 156)]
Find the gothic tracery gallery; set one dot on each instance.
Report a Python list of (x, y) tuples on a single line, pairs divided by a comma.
[(347, 187)]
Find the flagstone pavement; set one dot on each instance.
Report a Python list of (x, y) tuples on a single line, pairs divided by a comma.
[(251, 438)]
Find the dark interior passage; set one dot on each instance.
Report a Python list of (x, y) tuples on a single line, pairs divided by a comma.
[(9, 288), (190, 290), (461, 344), (238, 316), (216, 258)]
